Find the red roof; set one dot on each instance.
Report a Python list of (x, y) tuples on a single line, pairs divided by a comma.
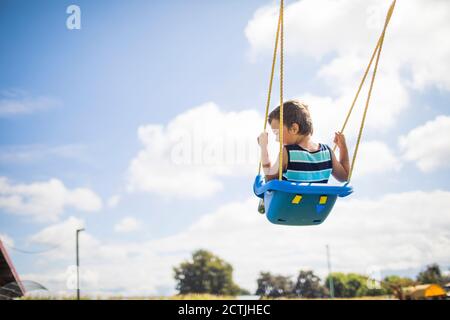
[(9, 275)]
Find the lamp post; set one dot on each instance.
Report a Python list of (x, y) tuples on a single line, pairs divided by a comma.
[(78, 264), (330, 276)]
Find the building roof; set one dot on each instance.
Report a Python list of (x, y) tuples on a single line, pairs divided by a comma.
[(10, 284), (424, 291)]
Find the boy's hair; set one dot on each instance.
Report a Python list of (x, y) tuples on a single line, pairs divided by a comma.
[(297, 112)]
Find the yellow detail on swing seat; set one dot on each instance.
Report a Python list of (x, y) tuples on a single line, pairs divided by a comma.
[(323, 200), (297, 199)]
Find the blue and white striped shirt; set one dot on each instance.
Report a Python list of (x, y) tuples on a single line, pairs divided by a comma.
[(305, 166)]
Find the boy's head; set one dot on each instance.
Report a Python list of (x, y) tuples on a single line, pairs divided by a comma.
[(296, 120)]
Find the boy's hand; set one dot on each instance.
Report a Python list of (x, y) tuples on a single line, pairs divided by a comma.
[(339, 140), (263, 139)]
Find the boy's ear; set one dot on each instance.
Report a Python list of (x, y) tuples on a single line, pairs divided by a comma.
[(295, 129)]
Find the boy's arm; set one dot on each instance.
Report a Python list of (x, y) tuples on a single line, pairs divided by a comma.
[(341, 168), (340, 172), (272, 171)]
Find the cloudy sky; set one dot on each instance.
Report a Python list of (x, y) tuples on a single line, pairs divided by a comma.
[(141, 128)]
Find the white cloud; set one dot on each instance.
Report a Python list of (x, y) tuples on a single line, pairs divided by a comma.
[(16, 102), (428, 145), (389, 96), (127, 224), (186, 157), (393, 232), (45, 201), (7, 240), (397, 231), (347, 32), (122, 269), (316, 28), (375, 157), (59, 233)]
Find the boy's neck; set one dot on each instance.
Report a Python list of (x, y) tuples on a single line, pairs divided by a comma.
[(305, 142)]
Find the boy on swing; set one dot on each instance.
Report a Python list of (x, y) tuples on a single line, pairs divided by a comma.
[(303, 159)]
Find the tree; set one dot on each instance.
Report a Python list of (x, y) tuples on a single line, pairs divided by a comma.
[(308, 285), (432, 274), (370, 287), (394, 284), (355, 285), (206, 273), (339, 281), (446, 277), (273, 286), (349, 285)]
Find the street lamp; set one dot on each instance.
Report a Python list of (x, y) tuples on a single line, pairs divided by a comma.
[(78, 265), (330, 276)]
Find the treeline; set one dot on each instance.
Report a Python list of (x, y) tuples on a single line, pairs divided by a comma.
[(208, 273), (339, 285), (343, 285)]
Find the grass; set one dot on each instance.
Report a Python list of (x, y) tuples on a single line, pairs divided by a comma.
[(183, 297), (354, 298), (175, 297)]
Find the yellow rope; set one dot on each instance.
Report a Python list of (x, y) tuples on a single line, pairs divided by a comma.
[(280, 168), (361, 128), (388, 18), (359, 89), (269, 95)]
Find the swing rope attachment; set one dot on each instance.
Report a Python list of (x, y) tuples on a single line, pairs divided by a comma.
[(279, 39)]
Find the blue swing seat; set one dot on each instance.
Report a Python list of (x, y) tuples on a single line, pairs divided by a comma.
[(298, 204)]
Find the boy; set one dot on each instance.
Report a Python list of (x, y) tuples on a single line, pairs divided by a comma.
[(303, 159)]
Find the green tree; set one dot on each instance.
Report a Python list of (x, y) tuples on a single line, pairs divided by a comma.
[(349, 285), (206, 273), (399, 281), (339, 282), (394, 284), (365, 291), (446, 277), (355, 285), (432, 274), (308, 285), (370, 287), (273, 286)]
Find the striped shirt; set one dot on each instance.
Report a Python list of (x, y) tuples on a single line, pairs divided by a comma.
[(305, 166)]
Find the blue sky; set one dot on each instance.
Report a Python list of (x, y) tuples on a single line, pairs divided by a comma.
[(87, 92)]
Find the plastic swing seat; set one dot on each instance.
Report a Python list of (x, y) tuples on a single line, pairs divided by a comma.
[(298, 204)]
